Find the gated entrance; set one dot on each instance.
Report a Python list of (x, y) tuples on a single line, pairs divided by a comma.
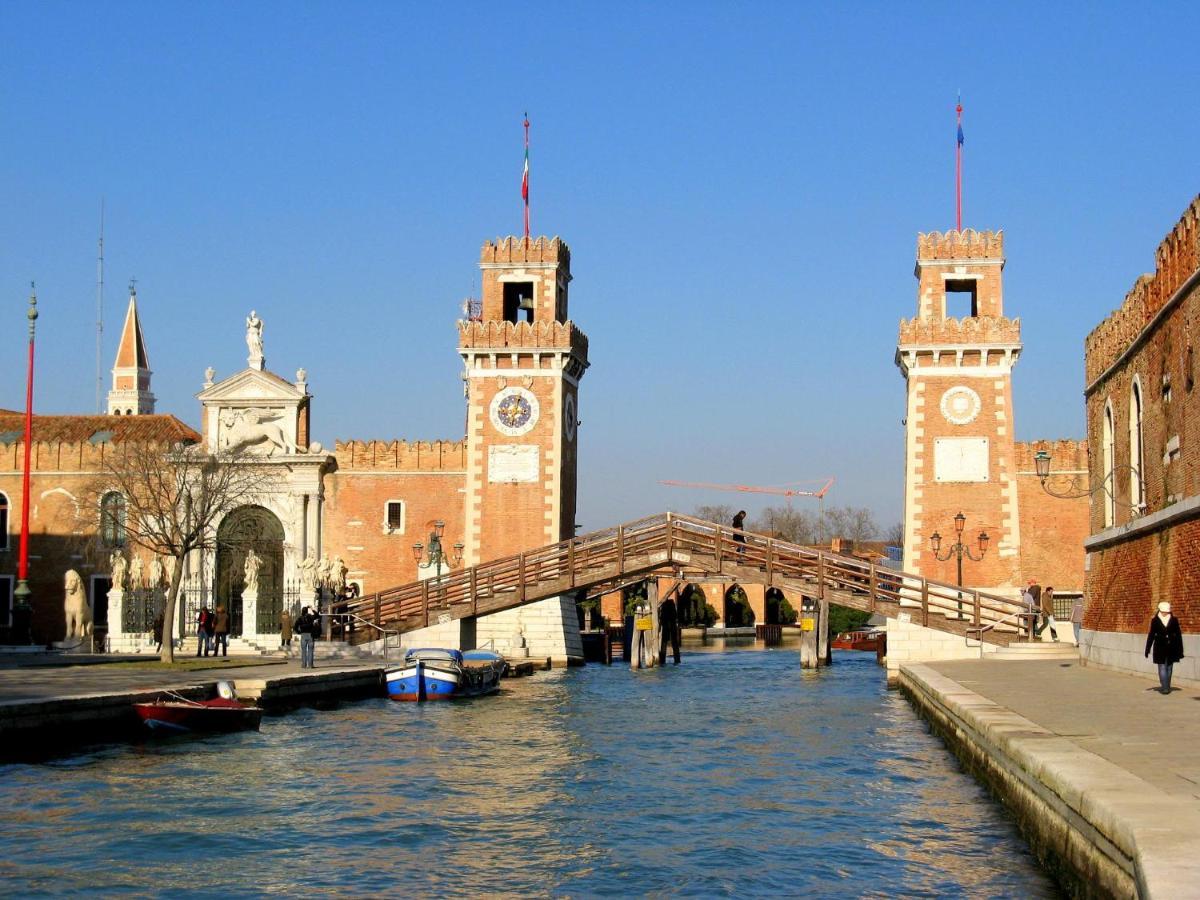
[(250, 527)]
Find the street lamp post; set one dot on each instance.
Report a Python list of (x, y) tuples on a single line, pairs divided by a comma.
[(22, 614), (434, 554), (958, 549)]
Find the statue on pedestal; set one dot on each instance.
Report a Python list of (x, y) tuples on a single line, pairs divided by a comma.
[(337, 576), (156, 573), (117, 566), (324, 572), (253, 564), (75, 605), (254, 330), (135, 573), (308, 573)]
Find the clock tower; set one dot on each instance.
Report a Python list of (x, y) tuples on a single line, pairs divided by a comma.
[(523, 359), (957, 357)]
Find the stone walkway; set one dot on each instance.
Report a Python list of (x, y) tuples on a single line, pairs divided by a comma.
[(33, 678), (1121, 718)]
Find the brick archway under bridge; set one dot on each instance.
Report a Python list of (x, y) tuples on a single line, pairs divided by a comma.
[(714, 590)]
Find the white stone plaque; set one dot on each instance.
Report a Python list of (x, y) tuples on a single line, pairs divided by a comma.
[(960, 459), (513, 464)]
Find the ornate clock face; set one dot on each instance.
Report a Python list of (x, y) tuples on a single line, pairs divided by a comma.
[(960, 405), (514, 411), (569, 417)]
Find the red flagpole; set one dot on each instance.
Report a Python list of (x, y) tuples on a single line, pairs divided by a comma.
[(21, 594), (958, 169), (525, 177)]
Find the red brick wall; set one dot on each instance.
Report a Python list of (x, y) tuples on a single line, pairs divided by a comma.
[(1149, 341), (1052, 529)]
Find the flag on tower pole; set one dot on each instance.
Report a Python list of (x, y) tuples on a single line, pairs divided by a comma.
[(958, 168), (525, 177)]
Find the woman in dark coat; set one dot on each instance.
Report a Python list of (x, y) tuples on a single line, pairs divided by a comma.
[(1166, 640)]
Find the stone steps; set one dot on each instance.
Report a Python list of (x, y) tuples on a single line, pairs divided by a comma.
[(1037, 650)]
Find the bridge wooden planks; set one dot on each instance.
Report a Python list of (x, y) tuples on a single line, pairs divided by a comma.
[(699, 549)]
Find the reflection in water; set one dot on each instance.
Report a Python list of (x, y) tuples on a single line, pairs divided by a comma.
[(737, 773)]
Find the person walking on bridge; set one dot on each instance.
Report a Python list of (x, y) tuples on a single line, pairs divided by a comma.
[(739, 524), (1166, 640)]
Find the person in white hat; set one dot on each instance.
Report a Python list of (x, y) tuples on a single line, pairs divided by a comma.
[(1166, 640)]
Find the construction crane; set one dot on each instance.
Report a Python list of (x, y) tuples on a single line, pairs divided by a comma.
[(783, 491)]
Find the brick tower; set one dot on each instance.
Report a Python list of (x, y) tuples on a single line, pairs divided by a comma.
[(523, 360), (130, 394), (957, 357)]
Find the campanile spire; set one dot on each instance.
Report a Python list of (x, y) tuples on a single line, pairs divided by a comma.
[(130, 394)]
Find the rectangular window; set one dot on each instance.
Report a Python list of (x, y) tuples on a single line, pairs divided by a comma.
[(6, 600), (518, 301), (393, 517), (962, 298)]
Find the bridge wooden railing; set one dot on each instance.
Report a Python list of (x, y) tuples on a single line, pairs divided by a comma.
[(692, 547)]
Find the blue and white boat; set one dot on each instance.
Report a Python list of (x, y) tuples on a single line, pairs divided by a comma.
[(437, 674)]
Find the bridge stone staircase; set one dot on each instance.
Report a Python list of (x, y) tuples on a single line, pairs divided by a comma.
[(669, 543)]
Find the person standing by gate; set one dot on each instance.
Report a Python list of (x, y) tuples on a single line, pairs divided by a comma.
[(308, 626), (203, 629), (221, 631), (1166, 640)]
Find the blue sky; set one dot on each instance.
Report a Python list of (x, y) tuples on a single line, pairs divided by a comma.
[(741, 186)]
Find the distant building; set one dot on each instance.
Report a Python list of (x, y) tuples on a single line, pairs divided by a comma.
[(1143, 412)]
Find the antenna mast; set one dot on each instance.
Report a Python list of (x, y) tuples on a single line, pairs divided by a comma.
[(100, 309)]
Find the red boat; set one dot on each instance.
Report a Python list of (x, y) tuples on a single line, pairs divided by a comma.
[(179, 715), (858, 640)]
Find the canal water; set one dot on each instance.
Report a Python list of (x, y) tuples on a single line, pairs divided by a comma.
[(737, 773)]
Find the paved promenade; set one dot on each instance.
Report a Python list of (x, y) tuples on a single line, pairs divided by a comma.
[(33, 678), (1120, 718), (1101, 771)]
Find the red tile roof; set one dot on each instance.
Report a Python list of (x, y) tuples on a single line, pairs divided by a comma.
[(103, 428)]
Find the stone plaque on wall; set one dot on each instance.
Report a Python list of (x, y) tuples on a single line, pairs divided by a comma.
[(960, 459), (513, 464)]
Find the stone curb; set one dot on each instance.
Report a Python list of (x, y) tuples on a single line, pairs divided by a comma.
[(1091, 822)]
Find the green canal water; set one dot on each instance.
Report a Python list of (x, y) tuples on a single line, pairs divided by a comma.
[(735, 774)]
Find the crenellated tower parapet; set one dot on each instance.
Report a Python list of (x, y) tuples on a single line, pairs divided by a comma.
[(520, 250), (492, 335), (1066, 455), (965, 244), (1177, 262)]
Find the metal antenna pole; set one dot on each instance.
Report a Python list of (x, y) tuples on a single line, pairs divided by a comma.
[(100, 311)]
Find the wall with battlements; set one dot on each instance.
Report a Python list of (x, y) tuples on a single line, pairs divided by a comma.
[(1052, 529), (1141, 554)]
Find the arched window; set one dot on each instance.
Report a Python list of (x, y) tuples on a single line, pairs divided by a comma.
[(1136, 456), (3, 521), (1108, 454), (112, 520)]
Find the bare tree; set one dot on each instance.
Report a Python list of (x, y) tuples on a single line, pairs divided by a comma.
[(722, 513), (173, 496), (797, 526), (895, 535), (851, 523)]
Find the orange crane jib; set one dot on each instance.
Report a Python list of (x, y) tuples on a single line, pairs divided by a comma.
[(753, 489)]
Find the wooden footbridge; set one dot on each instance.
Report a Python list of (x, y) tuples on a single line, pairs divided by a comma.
[(689, 548)]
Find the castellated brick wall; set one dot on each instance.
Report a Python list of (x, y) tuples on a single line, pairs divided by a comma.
[(1052, 529), (1176, 261), (427, 476), (499, 336), (1150, 555)]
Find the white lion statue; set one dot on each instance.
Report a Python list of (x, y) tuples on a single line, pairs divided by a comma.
[(75, 605)]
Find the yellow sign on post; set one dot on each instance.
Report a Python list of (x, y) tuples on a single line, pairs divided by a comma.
[(808, 624), (645, 623)]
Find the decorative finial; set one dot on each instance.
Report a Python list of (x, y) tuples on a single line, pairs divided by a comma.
[(132, 287), (301, 376), (208, 375), (33, 313)]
